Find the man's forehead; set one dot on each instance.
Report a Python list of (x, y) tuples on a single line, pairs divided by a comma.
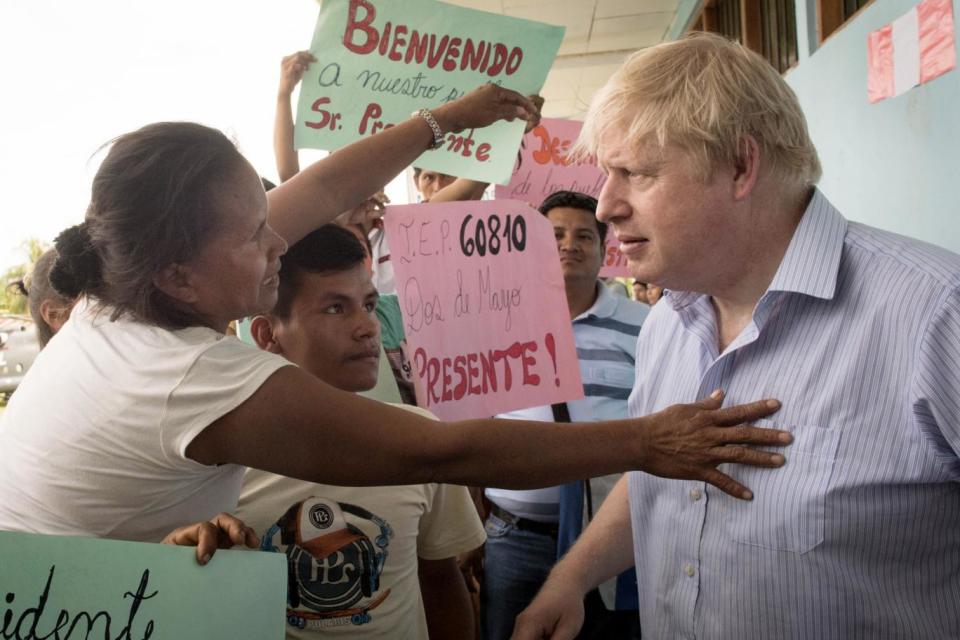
[(353, 282), (616, 148), (572, 216)]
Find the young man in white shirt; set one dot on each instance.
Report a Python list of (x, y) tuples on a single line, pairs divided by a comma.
[(354, 554)]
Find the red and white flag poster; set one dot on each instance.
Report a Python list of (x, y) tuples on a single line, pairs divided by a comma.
[(913, 49)]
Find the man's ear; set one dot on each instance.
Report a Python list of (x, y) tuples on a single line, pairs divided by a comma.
[(746, 167), (261, 328), (174, 280)]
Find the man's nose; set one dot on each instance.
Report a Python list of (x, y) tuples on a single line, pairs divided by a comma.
[(367, 326)]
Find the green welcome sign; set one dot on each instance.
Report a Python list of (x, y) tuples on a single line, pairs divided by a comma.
[(65, 588), (380, 60)]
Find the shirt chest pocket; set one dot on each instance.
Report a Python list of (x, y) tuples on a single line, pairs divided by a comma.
[(788, 509)]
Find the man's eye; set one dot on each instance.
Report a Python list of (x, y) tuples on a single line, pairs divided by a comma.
[(334, 308)]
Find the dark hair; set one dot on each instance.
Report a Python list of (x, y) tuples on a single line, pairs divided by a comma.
[(38, 289), (329, 248), (574, 200), (152, 204)]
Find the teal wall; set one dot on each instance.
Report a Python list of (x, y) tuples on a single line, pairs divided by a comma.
[(893, 164)]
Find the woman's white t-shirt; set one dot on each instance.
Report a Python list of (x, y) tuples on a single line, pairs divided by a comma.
[(94, 440)]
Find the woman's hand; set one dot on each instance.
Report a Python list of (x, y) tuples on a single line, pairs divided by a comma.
[(366, 213), (535, 120), (221, 532), (688, 441), (482, 107)]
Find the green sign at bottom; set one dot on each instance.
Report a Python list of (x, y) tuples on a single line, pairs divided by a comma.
[(64, 588)]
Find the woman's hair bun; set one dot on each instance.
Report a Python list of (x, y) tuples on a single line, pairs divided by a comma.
[(77, 269)]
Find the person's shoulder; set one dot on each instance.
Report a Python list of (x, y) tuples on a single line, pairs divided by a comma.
[(890, 253), (631, 311)]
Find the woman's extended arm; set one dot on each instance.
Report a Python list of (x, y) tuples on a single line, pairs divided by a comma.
[(297, 426)]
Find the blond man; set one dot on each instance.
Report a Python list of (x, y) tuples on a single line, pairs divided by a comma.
[(771, 291)]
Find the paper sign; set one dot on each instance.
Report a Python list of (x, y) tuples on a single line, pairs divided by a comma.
[(378, 61), (484, 307), (914, 49), (75, 588), (543, 166), (614, 262)]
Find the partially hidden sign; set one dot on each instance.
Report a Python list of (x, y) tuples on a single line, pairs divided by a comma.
[(379, 60), (544, 166), (484, 307), (75, 588)]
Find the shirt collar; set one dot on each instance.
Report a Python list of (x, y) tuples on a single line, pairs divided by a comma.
[(603, 307), (812, 261)]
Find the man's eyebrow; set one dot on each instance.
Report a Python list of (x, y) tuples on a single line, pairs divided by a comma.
[(327, 297)]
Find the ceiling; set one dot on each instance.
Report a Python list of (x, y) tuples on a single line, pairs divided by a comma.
[(599, 35)]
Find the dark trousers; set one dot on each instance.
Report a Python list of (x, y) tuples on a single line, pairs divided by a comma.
[(601, 624)]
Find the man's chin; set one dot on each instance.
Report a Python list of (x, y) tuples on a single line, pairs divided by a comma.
[(358, 381), (640, 270)]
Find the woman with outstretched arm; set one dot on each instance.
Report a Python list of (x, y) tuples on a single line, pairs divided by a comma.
[(140, 415)]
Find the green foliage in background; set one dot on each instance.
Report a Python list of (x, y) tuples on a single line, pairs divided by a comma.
[(10, 299)]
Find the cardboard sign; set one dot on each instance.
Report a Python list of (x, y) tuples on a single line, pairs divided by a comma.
[(484, 307), (378, 61), (543, 166), (75, 588)]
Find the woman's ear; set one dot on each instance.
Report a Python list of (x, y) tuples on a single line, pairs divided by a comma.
[(175, 281)]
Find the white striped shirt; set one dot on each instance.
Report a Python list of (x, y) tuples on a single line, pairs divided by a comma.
[(858, 535)]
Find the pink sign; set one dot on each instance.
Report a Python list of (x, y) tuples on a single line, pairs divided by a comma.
[(614, 262), (543, 167), (484, 307)]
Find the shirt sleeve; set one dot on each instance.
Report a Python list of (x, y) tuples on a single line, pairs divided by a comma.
[(936, 387), (450, 525), (221, 378)]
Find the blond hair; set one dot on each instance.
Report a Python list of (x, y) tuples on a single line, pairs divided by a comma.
[(705, 94)]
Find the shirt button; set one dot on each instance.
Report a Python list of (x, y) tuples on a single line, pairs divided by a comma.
[(689, 569), (695, 494)]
